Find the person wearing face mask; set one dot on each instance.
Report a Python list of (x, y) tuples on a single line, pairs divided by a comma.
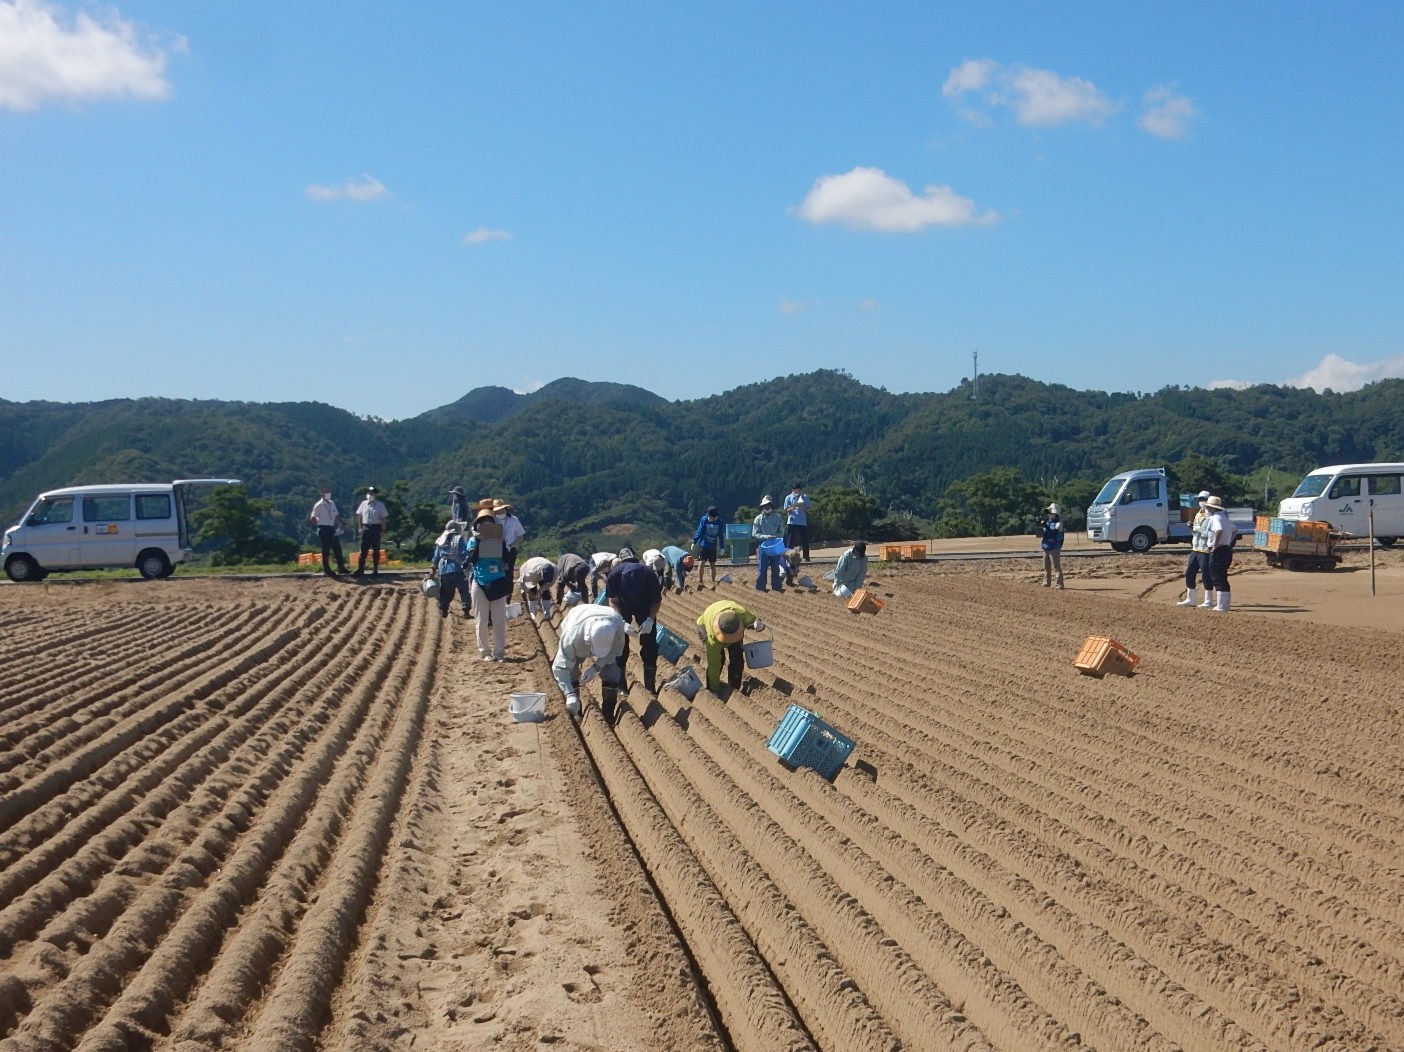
[(327, 519)]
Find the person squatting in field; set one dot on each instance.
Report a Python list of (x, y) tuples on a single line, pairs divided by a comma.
[(327, 519), (721, 629), (447, 564), (851, 570), (706, 539), (1198, 564), (490, 585), (590, 633), (1222, 534), (636, 593), (535, 582), (1050, 539)]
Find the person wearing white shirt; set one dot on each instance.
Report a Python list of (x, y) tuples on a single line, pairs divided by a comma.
[(371, 517), (327, 519), (513, 533), (1222, 534)]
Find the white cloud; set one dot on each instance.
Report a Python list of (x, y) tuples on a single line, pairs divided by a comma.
[(1037, 97), (483, 235), (867, 304), (529, 386), (789, 306), (1335, 372), (870, 199), (49, 55), (367, 190), (1167, 114)]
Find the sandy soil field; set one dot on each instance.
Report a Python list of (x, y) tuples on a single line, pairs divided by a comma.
[(294, 814)]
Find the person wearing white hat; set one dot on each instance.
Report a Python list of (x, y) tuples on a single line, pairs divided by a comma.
[(1222, 533), (1198, 565), (766, 527), (1051, 533), (600, 564), (447, 566), (589, 633)]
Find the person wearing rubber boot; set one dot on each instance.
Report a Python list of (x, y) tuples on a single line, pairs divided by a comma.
[(1222, 534), (721, 629), (636, 592), (596, 634), (1198, 564)]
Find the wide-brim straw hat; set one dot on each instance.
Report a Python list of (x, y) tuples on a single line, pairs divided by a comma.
[(1214, 502), (728, 618)]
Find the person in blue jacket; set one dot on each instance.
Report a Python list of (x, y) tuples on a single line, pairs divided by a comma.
[(1050, 539), (706, 539), (449, 561)]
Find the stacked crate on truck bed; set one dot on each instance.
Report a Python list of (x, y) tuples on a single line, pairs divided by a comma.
[(1297, 545)]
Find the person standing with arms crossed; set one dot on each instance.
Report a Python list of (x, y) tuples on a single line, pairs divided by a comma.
[(327, 519), (370, 521)]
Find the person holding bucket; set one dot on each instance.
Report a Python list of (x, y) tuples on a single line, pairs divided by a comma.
[(636, 593), (590, 633), (721, 629), (765, 528)]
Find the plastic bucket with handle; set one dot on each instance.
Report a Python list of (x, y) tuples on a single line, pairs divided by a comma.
[(758, 653), (527, 708), (685, 682)]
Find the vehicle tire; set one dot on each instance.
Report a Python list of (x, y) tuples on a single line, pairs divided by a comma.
[(153, 564), (1142, 539), (1387, 542), (22, 569), (1120, 546)]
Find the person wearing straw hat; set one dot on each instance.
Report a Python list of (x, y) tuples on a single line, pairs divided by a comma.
[(590, 633), (766, 527), (1222, 533), (513, 533), (721, 629), (490, 585), (1050, 539), (371, 517), (1198, 565)]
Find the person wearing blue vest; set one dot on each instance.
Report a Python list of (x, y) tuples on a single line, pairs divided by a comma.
[(448, 562), (706, 539)]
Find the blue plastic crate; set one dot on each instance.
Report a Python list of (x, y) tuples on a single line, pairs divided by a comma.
[(671, 645), (738, 531), (1260, 538), (1281, 526), (804, 740)]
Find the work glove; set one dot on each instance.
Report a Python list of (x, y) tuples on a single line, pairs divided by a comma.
[(631, 629), (573, 704), (758, 625), (646, 626), (591, 673)]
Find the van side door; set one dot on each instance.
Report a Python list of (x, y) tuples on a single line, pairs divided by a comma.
[(52, 532), (1386, 496), (1347, 504), (107, 537)]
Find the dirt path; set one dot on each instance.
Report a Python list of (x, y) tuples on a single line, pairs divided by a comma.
[(294, 814)]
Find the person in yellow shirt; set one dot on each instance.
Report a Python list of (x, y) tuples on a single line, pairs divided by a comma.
[(720, 629)]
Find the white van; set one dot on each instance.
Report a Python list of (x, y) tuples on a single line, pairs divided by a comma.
[(143, 525), (1345, 494)]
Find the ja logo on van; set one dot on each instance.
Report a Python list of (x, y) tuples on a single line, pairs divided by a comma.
[(1346, 509)]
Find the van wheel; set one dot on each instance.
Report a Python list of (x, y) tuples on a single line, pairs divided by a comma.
[(1120, 546), (1387, 542), (22, 569), (153, 564), (1142, 539)]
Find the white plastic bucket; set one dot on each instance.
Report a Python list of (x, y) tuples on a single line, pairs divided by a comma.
[(685, 682), (758, 653), (527, 708), (514, 610)]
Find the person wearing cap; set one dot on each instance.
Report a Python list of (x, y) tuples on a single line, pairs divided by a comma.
[(797, 520), (1198, 564), (851, 570), (792, 560), (535, 582), (720, 630), (490, 585), (706, 539), (600, 564), (513, 533), (766, 527), (1050, 539), (653, 559), (636, 592), (371, 517), (596, 634), (458, 505), (327, 519), (1221, 534), (571, 574), (678, 563), (447, 564)]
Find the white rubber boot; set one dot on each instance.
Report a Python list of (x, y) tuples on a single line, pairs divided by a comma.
[(1188, 600), (1224, 598), (533, 609), (546, 609), (1208, 603)]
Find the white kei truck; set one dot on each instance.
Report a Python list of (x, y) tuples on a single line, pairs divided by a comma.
[(1135, 511), (141, 525)]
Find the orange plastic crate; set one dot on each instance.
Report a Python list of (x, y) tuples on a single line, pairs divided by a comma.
[(915, 552), (1263, 524), (864, 602), (1101, 656), (891, 552)]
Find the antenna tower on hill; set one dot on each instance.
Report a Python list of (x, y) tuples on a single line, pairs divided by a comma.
[(975, 383)]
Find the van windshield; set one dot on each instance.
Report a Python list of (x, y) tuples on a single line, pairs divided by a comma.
[(1312, 486), (1109, 492)]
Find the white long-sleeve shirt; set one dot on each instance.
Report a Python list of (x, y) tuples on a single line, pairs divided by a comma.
[(324, 512), (575, 650)]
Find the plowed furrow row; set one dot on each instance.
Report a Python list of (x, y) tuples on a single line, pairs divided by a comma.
[(266, 711), (849, 843), (893, 983), (235, 845), (1344, 955)]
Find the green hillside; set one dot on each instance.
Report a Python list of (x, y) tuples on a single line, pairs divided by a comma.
[(578, 457)]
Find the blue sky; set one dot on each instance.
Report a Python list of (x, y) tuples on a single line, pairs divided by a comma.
[(385, 206)]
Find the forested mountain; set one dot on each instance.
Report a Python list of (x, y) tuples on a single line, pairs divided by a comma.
[(578, 456)]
